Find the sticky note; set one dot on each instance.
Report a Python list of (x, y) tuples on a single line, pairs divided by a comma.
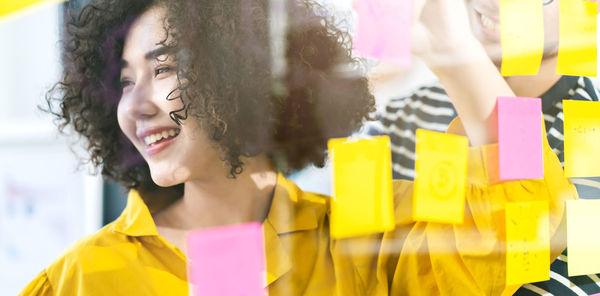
[(12, 6), (383, 30), (577, 53), (582, 138), (227, 260), (583, 237), (361, 186), (527, 242), (441, 177), (521, 36), (520, 138)]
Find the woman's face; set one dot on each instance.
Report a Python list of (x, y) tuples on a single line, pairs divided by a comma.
[(175, 154)]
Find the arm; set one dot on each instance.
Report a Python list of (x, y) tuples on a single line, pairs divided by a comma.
[(426, 258), (40, 286), (443, 39)]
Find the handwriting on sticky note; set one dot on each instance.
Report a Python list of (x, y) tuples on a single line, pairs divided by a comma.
[(583, 241), (527, 242), (520, 138), (227, 260), (522, 36), (362, 186), (582, 138), (441, 176), (577, 52), (384, 30)]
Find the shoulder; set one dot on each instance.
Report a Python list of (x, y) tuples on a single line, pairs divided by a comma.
[(320, 204), (100, 251), (104, 237), (64, 274), (317, 204), (39, 286), (401, 191), (288, 193)]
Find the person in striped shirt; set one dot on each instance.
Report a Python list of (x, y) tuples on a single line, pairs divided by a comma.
[(429, 107)]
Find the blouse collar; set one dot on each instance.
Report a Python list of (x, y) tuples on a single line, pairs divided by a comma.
[(291, 210)]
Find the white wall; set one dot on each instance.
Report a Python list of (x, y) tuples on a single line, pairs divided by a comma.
[(42, 196)]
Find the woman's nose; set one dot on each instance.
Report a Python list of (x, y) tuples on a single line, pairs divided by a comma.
[(139, 102)]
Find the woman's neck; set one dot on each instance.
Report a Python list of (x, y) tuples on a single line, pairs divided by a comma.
[(222, 200)]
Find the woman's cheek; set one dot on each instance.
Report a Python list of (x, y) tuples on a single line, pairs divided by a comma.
[(126, 125)]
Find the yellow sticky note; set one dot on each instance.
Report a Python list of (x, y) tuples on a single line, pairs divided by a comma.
[(583, 238), (527, 242), (577, 53), (441, 177), (362, 186), (522, 36), (582, 138), (12, 6)]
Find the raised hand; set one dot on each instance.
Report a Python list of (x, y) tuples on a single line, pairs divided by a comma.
[(441, 32), (442, 37)]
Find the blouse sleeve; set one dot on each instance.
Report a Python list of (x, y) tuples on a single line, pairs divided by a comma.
[(427, 258), (40, 286)]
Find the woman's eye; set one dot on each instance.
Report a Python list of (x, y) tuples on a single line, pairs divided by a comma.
[(125, 83), (161, 70)]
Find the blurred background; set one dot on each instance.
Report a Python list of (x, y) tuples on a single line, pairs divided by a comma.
[(47, 199), (45, 202)]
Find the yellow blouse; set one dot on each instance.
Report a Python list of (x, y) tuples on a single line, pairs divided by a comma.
[(128, 257)]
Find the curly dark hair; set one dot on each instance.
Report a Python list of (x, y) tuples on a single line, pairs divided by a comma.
[(225, 81)]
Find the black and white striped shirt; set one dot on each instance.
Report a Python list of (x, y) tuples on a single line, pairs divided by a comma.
[(430, 108)]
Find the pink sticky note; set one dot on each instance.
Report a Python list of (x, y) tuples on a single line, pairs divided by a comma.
[(520, 150), (383, 30), (227, 260)]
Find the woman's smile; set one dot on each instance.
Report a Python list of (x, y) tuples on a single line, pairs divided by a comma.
[(157, 139)]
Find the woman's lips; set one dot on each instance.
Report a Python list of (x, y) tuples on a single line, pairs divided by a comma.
[(156, 139), (156, 148), (490, 27)]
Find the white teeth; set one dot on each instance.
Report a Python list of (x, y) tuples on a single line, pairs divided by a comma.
[(489, 23), (158, 136)]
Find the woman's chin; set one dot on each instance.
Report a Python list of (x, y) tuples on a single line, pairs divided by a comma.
[(164, 179)]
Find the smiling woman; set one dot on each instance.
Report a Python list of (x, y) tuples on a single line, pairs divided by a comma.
[(222, 66), (149, 81), (178, 101)]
